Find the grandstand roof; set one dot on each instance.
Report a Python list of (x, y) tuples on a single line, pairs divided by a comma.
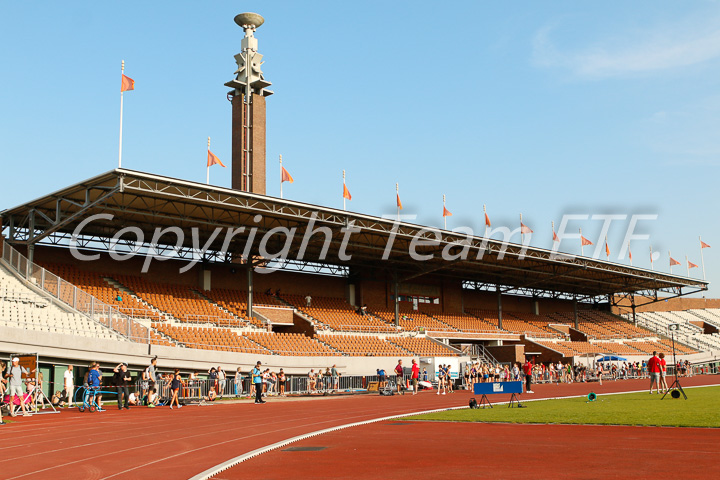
[(146, 201)]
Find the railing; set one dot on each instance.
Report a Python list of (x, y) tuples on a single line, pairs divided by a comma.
[(370, 328), (68, 294)]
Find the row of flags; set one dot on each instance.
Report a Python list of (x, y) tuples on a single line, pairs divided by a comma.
[(128, 84)]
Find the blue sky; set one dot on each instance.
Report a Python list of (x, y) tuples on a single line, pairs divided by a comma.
[(539, 108)]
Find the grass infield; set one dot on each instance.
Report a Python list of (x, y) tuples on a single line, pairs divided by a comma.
[(701, 409)]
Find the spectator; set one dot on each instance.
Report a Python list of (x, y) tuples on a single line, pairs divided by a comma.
[(122, 380), (319, 380), (238, 383), (59, 399), (528, 369), (257, 382), (69, 382), (135, 399), (281, 382), (653, 366), (663, 371), (448, 379), (381, 377), (399, 374), (335, 377), (311, 380), (415, 376), (15, 386), (308, 300), (221, 380), (175, 388), (94, 379), (425, 375), (211, 396), (3, 380), (213, 375), (153, 398)]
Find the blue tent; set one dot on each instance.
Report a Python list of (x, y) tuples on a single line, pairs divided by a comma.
[(611, 358)]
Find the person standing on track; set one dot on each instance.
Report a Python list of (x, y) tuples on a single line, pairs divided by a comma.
[(15, 385), (441, 380), (256, 375), (69, 382), (399, 373), (222, 381), (663, 372), (528, 370), (415, 376), (122, 379), (175, 388), (653, 367)]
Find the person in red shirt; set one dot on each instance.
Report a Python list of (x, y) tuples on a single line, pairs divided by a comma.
[(528, 369), (415, 375), (663, 372), (399, 374), (654, 368)]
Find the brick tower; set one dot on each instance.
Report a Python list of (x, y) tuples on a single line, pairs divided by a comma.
[(248, 111)]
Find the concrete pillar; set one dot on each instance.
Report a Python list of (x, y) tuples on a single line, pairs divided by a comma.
[(499, 300), (250, 291)]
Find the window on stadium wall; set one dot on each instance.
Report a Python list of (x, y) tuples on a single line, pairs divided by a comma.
[(416, 300)]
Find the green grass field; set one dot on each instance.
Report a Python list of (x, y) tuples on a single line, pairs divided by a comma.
[(701, 409)]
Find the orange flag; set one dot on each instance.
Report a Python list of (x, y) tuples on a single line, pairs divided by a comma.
[(555, 237), (607, 250), (524, 229), (585, 242), (127, 84), (286, 176), (487, 220), (673, 262), (399, 203), (703, 245), (691, 265), (446, 212), (346, 192), (213, 160), (630, 253)]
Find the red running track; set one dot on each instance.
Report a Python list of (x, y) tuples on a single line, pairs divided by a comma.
[(177, 444)]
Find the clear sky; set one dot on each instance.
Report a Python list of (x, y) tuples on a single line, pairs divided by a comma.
[(539, 108)]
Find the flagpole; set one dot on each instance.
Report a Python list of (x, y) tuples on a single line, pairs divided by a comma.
[(281, 176), (670, 260), (553, 230), (208, 167), (485, 219), (122, 72), (444, 217), (344, 199), (702, 259), (687, 264), (521, 230), (652, 263), (397, 193), (582, 249), (607, 249), (630, 253)]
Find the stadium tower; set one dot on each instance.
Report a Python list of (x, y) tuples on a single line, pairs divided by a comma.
[(248, 111)]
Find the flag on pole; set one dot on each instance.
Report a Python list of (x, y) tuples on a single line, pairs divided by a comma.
[(691, 265), (585, 242), (346, 192), (673, 262), (127, 84), (607, 249), (214, 160), (397, 193), (555, 237), (524, 229), (630, 253), (285, 176), (446, 212), (704, 245)]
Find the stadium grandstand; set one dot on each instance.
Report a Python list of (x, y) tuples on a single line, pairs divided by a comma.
[(129, 264)]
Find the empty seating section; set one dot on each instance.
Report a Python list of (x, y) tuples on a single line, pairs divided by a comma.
[(410, 320), (95, 285), (20, 307), (644, 347), (337, 314), (179, 301), (291, 344), (423, 346), (235, 301), (362, 345), (688, 331), (210, 338), (468, 323)]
